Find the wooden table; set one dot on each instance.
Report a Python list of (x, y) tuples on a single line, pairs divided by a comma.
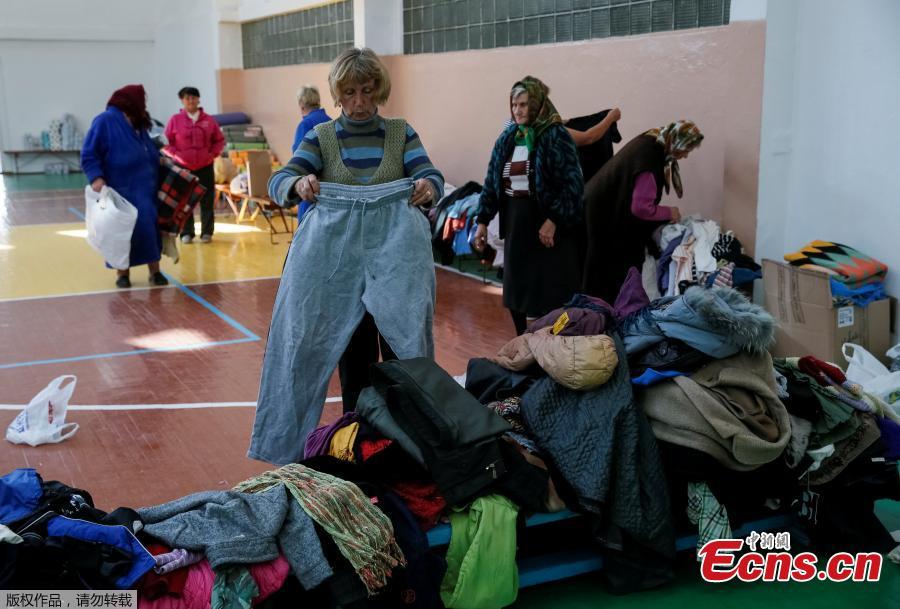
[(240, 203)]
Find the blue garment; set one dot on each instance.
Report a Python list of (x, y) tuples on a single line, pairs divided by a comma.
[(716, 321), (861, 296), (662, 267), (461, 245), (20, 494), (129, 162), (117, 536), (652, 377), (309, 121), (360, 248), (741, 276)]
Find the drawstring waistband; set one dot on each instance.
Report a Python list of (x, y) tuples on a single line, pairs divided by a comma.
[(347, 234), (340, 196)]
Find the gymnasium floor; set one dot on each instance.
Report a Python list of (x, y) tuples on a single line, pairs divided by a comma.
[(167, 377)]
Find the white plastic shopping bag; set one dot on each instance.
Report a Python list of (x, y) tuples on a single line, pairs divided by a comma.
[(110, 221), (865, 369), (44, 419)]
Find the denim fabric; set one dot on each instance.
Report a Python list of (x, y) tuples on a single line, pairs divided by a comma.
[(360, 248)]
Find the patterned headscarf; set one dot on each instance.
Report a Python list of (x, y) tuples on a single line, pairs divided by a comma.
[(541, 111), (680, 136), (132, 101)]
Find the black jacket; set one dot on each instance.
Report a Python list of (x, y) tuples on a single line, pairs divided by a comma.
[(459, 438)]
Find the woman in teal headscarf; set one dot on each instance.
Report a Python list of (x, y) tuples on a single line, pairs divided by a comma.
[(534, 181)]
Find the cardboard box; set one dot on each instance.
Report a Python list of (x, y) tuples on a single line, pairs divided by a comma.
[(808, 322), (259, 170)]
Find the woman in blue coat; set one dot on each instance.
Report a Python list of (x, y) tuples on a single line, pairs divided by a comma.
[(119, 153)]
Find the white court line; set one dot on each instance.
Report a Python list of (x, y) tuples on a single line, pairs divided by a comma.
[(458, 272), (45, 200), (188, 406), (95, 293), (449, 269)]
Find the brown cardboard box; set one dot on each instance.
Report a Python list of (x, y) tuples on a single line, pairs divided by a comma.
[(808, 323), (259, 169)]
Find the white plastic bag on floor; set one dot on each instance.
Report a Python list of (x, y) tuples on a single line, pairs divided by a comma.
[(44, 419), (170, 246), (865, 369), (110, 221)]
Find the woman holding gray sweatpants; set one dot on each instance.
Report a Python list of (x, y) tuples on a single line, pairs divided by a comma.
[(363, 247)]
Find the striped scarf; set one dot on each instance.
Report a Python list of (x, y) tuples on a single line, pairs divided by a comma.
[(680, 136), (362, 533)]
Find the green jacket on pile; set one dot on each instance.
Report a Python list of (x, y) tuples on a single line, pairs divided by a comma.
[(481, 560)]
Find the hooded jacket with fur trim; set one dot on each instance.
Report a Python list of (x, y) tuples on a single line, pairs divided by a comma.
[(719, 322)]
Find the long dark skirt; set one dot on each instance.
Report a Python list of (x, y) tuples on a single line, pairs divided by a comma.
[(536, 279)]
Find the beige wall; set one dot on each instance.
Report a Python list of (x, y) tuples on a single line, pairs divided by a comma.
[(458, 103)]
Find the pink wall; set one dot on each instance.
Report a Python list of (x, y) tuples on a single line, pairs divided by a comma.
[(458, 103)]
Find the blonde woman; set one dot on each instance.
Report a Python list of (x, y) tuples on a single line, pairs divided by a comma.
[(360, 263), (310, 111)]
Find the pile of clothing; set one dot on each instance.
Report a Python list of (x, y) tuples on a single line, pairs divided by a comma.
[(565, 389), (843, 449), (344, 528), (453, 222), (221, 548), (856, 279), (742, 436), (697, 252)]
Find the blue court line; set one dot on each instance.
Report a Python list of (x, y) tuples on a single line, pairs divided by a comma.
[(77, 213), (226, 318), (81, 358), (248, 336)]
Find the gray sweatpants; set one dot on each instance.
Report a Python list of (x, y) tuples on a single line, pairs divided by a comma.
[(360, 248)]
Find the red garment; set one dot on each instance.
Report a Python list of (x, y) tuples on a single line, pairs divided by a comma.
[(194, 145), (370, 448), (453, 226), (821, 371), (132, 100), (423, 500), (153, 586), (269, 576)]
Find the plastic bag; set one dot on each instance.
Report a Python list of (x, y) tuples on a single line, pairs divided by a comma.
[(224, 170), (170, 246), (44, 419), (865, 369), (110, 221)]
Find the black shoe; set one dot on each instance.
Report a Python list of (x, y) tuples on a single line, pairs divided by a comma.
[(123, 282), (158, 278)]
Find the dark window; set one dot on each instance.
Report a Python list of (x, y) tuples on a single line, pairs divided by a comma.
[(314, 35), (458, 25)]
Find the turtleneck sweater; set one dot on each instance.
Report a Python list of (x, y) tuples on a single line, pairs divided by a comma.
[(362, 149)]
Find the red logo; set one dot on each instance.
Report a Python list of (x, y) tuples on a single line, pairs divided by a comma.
[(720, 561)]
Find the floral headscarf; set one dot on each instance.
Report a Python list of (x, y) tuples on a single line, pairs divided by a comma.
[(680, 136), (541, 111)]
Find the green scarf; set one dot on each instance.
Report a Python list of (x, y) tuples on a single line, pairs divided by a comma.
[(541, 111)]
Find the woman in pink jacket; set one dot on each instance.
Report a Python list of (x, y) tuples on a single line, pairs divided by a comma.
[(195, 141)]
